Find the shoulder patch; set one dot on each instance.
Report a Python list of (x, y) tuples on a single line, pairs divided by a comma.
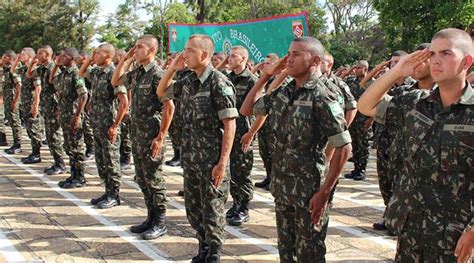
[(80, 81), (336, 108), (226, 89)]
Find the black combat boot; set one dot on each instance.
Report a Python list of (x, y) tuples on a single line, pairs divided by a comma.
[(34, 157), (263, 184), (125, 162), (69, 179), (241, 215), (359, 175), (233, 210), (101, 198), (58, 168), (202, 253), (350, 175), (140, 228), (176, 160), (16, 148), (78, 180), (3, 139), (213, 256), (111, 200), (89, 152), (158, 227)]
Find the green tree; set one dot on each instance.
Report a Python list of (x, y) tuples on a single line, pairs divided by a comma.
[(122, 28), (408, 23)]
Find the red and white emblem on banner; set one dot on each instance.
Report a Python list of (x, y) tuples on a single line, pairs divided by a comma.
[(174, 35), (297, 26)]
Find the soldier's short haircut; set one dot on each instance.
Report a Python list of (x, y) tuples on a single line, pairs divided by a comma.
[(70, 51), (48, 49), (120, 52), (242, 51), (399, 53), (461, 39), (29, 51), (219, 54), (314, 46), (363, 63), (273, 57), (107, 47), (423, 46), (328, 57), (205, 43), (10, 53), (150, 40)]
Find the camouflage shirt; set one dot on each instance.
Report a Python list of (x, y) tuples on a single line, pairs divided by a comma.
[(357, 91), (8, 82), (103, 95), (70, 87), (303, 119), (243, 83), (27, 87), (48, 97), (439, 144), (350, 102), (206, 101)]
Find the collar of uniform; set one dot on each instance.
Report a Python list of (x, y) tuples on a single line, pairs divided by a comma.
[(206, 73), (245, 73), (109, 68), (312, 82), (71, 69), (467, 98), (149, 66)]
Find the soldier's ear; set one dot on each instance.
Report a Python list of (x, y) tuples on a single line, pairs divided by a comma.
[(316, 60)]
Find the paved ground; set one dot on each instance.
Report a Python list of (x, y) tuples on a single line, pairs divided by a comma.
[(41, 222)]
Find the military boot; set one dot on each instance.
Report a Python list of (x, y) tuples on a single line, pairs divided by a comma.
[(213, 256), (240, 216), (202, 253), (34, 157), (15, 148), (140, 228), (111, 200), (233, 210), (69, 179), (78, 180), (263, 184), (176, 160), (158, 227), (95, 201)]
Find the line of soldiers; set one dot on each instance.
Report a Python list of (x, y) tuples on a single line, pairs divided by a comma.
[(306, 117)]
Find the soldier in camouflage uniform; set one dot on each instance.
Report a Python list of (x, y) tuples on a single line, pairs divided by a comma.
[(150, 118), (106, 115), (360, 127), (34, 124), (87, 127), (72, 100), (306, 115), (3, 136), (11, 96), (209, 116), (438, 131), (175, 128), (48, 106), (125, 142), (241, 163)]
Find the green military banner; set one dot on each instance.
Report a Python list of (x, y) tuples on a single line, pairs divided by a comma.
[(259, 36)]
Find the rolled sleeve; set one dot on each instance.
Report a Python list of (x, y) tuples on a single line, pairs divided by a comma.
[(350, 105), (228, 113), (381, 109), (120, 89), (340, 139), (169, 93), (125, 79)]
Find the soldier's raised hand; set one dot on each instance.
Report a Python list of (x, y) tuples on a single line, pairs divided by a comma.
[(278, 67), (178, 62), (407, 64)]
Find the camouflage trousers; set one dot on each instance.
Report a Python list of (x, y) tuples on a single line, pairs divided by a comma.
[(412, 247), (125, 142), (266, 147), (148, 171), (298, 240), (360, 146), (55, 139), (175, 134), (205, 203), (2, 116), (241, 163), (73, 143), (13, 116), (88, 132), (107, 158), (35, 130), (384, 175)]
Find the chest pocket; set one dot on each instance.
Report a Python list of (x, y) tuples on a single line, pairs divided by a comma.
[(417, 133), (202, 104), (101, 89), (144, 88), (300, 118)]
